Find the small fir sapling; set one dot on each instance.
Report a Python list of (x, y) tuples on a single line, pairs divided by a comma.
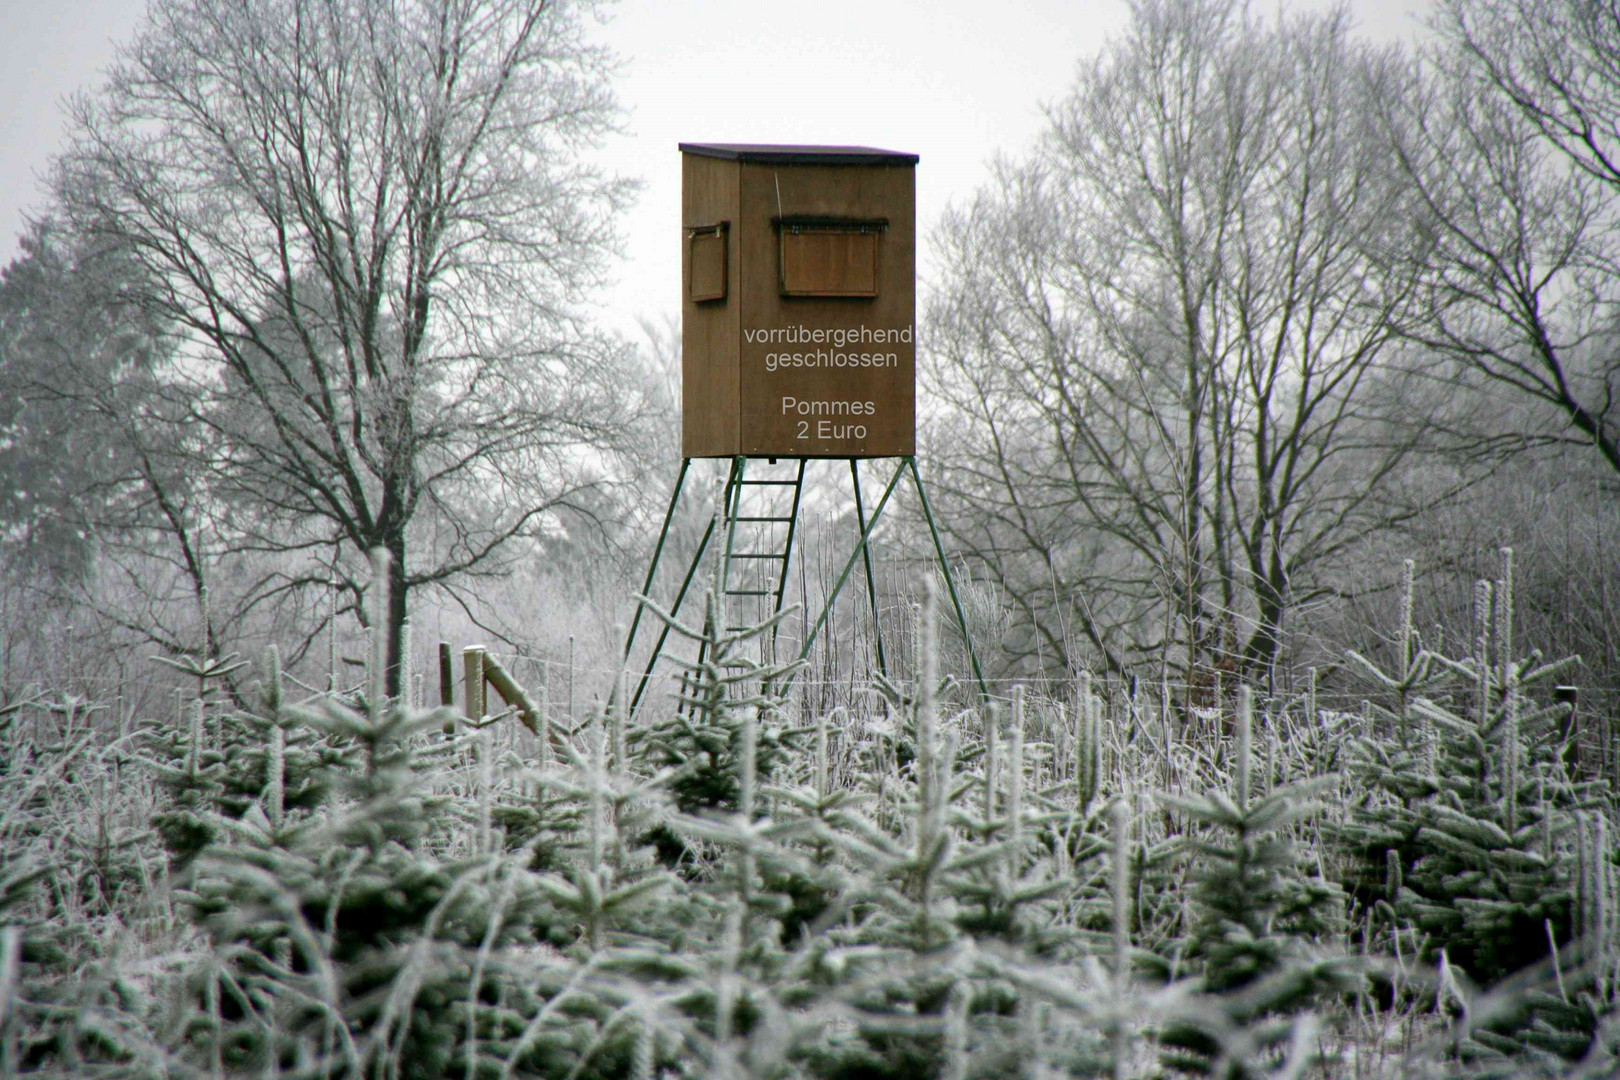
[(607, 882), (1416, 671), (191, 767), (1264, 932), (1473, 845), (695, 752), (1088, 748), (1477, 820), (1597, 905), (992, 762), (1016, 778), (1120, 867), (194, 784), (698, 745)]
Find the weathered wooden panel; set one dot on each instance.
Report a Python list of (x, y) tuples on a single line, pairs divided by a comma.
[(828, 261), (706, 263), (709, 329)]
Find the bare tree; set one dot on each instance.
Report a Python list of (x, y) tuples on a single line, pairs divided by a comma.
[(1514, 142), (370, 224), (1170, 342)]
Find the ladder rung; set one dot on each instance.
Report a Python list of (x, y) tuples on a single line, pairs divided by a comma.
[(755, 555), (778, 483), (783, 520), (750, 592)]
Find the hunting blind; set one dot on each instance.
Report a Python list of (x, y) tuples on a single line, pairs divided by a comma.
[(798, 298), (798, 301)]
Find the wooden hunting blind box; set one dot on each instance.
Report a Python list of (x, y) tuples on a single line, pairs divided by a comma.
[(798, 301)]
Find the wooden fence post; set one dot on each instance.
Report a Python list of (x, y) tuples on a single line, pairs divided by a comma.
[(472, 668)]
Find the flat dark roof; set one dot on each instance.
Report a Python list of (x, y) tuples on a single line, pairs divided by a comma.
[(770, 154)]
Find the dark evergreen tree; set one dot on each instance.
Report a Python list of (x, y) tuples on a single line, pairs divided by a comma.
[(700, 743), (1264, 930), (78, 366), (1462, 831)]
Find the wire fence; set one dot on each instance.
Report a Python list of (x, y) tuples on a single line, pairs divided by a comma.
[(568, 688), (570, 693)]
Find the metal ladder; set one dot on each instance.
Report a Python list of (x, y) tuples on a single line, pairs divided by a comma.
[(759, 522), (762, 517), (758, 540)]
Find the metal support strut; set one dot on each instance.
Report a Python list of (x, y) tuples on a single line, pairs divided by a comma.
[(731, 514)]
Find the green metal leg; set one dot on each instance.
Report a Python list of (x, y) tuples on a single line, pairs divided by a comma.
[(729, 508), (826, 607), (950, 583), (739, 466), (646, 586), (787, 551), (866, 555), (675, 609), (731, 500)]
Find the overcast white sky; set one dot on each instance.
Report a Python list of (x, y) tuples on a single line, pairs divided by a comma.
[(950, 80)]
